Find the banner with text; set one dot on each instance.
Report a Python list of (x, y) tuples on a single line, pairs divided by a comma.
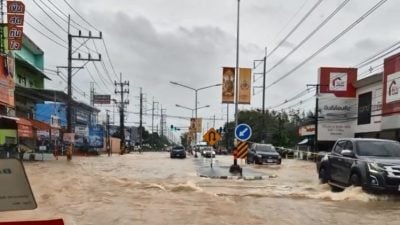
[(245, 86), (228, 85)]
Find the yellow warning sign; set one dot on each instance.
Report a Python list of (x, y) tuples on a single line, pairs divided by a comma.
[(242, 149), (212, 136)]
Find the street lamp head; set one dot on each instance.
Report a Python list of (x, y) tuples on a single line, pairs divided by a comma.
[(207, 106)]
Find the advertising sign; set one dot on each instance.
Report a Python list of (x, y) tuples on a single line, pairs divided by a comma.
[(196, 125), (245, 86), (101, 99), (338, 81), (15, 19), (393, 87), (228, 85), (391, 95), (6, 83), (364, 108), (15, 190), (15, 7), (96, 136), (336, 117), (69, 137)]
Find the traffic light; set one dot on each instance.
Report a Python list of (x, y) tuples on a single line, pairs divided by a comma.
[(220, 130), (172, 127)]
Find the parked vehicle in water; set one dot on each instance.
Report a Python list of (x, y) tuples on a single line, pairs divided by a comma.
[(263, 153), (208, 152), (373, 164)]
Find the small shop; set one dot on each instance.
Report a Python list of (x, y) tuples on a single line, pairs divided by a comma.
[(26, 139), (8, 136)]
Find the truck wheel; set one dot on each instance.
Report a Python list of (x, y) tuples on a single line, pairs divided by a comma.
[(323, 175), (355, 180)]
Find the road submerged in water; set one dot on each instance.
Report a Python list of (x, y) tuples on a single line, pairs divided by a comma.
[(151, 188)]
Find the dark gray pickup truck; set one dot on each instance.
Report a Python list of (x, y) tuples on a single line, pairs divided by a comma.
[(373, 164)]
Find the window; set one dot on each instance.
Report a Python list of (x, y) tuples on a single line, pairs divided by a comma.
[(339, 147), (349, 146)]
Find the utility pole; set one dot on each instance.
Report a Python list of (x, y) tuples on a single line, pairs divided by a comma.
[(227, 126), (214, 121), (152, 121), (69, 67), (122, 104), (141, 119), (92, 94), (108, 143), (264, 61), (317, 86)]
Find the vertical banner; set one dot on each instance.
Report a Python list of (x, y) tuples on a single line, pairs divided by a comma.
[(364, 108), (228, 84), (199, 123), (245, 86), (195, 125), (15, 19)]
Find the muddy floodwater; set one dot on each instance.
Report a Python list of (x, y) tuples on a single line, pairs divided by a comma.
[(153, 189)]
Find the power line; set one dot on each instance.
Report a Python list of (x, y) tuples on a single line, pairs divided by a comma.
[(76, 12), (55, 13), (66, 16), (50, 17), (48, 29), (104, 65), (323, 23), (296, 26), (109, 59), (365, 15), (378, 55), (40, 32)]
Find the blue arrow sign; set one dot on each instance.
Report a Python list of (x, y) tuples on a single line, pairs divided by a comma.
[(243, 132)]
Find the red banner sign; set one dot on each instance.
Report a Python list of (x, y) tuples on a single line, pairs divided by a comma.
[(15, 7), (15, 19), (42, 222)]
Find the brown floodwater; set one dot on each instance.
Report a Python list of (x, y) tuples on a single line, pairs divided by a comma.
[(152, 189)]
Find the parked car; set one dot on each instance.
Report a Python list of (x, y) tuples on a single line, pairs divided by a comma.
[(178, 152), (373, 164), (208, 152), (263, 153)]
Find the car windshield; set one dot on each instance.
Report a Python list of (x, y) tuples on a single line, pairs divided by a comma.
[(178, 148), (264, 148), (378, 148)]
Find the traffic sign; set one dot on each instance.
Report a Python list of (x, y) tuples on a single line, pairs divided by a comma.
[(212, 136), (242, 149), (243, 132)]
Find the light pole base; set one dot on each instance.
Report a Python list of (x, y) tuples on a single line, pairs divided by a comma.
[(236, 169)]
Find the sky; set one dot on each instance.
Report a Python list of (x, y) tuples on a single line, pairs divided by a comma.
[(153, 42)]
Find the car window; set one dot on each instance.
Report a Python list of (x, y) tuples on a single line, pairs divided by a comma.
[(349, 146), (265, 148), (378, 148), (339, 147)]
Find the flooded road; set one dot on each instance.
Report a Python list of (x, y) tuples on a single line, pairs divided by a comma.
[(153, 189)]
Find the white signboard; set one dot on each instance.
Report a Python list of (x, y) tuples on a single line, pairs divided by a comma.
[(82, 131), (15, 191), (393, 87), (338, 81), (337, 117)]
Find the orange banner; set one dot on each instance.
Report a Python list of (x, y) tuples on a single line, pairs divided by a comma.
[(7, 81), (228, 85), (245, 86)]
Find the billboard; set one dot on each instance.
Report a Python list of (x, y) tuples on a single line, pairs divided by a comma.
[(364, 108), (196, 125), (245, 86), (101, 99), (96, 136), (336, 117), (7, 81), (338, 81), (228, 85), (391, 93)]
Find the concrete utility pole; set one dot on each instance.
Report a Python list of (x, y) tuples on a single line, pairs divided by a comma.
[(152, 121), (69, 67), (317, 86), (141, 119), (108, 140), (92, 94), (264, 61), (122, 104)]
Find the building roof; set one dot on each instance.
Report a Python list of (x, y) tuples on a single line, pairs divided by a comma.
[(374, 78), (42, 95)]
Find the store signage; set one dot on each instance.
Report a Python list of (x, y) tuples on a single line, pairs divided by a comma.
[(338, 81), (102, 99), (364, 108), (15, 22)]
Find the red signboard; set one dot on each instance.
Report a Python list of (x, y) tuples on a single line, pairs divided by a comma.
[(15, 19), (6, 85), (15, 7), (15, 32), (42, 222), (14, 44), (391, 85), (338, 81)]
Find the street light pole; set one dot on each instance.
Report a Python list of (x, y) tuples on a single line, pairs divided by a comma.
[(237, 67)]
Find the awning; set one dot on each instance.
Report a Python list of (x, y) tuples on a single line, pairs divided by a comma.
[(303, 142), (39, 125), (24, 128), (9, 117)]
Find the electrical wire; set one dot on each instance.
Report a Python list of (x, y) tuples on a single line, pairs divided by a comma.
[(76, 12), (66, 16), (296, 26), (337, 37), (310, 35)]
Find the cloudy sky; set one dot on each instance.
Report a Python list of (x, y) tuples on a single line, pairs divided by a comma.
[(153, 42)]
